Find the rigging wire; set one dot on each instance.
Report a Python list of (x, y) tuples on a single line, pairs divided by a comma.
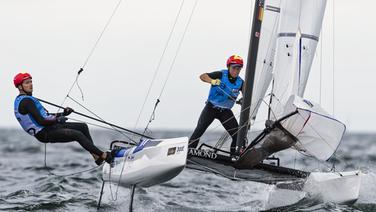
[(245, 124), (125, 157), (98, 120), (113, 128), (214, 171), (159, 64), (102, 32), (96, 125), (160, 95), (321, 51), (224, 137), (152, 116), (90, 54), (178, 49), (333, 52)]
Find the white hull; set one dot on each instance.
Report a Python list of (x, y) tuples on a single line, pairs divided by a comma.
[(337, 187), (157, 162)]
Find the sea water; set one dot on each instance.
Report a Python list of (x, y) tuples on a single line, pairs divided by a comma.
[(26, 184)]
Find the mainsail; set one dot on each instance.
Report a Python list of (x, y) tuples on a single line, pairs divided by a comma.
[(318, 134), (298, 35)]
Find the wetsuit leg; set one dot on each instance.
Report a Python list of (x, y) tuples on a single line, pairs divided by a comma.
[(206, 118), (231, 125), (63, 133), (82, 127)]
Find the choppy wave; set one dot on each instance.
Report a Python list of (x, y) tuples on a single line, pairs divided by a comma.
[(26, 184)]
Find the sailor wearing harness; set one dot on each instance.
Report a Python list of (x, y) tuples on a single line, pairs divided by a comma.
[(51, 128), (225, 88)]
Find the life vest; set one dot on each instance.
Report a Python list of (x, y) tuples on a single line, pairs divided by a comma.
[(26, 121), (225, 94)]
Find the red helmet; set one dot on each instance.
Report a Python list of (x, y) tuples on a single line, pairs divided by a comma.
[(20, 77), (235, 60)]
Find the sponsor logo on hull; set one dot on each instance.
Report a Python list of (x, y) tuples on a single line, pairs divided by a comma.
[(202, 153), (180, 149), (171, 151)]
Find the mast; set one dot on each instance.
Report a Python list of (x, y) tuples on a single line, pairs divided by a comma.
[(250, 74)]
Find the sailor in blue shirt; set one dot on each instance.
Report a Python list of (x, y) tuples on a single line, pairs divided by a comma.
[(51, 128), (225, 88)]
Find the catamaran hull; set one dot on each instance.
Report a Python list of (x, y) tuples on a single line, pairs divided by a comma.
[(339, 187), (150, 163)]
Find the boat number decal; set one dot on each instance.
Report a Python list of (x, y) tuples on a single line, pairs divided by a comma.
[(171, 151)]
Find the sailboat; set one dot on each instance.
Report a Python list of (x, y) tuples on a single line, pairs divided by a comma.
[(287, 50), (293, 121)]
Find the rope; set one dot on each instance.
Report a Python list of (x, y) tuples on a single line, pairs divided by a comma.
[(159, 64), (113, 128), (121, 174)]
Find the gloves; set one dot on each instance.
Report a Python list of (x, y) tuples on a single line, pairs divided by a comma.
[(240, 101), (215, 82), (67, 111), (61, 119)]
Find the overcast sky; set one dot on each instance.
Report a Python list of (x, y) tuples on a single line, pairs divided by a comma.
[(51, 39)]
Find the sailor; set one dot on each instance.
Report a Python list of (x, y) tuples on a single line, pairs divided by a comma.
[(48, 127), (225, 87)]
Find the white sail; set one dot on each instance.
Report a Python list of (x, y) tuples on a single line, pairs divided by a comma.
[(298, 35), (318, 133)]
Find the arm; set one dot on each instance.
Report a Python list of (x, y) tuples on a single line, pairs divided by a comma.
[(209, 77), (27, 106), (67, 111), (205, 78)]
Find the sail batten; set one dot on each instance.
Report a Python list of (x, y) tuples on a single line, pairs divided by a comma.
[(293, 34)]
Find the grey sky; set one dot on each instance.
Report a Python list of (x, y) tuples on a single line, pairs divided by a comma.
[(51, 40)]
